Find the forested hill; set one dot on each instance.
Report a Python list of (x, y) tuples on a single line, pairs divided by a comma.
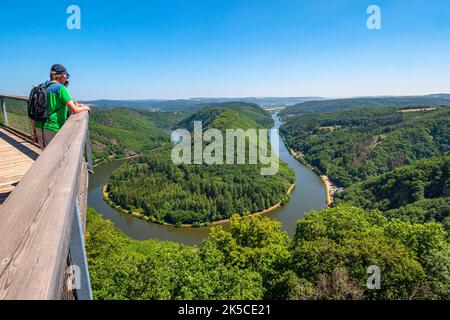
[(351, 146), (117, 133), (121, 132), (418, 193), (368, 102), (393, 161), (156, 189), (238, 115)]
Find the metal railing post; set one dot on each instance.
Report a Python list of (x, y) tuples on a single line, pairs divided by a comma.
[(89, 153), (79, 258), (5, 113)]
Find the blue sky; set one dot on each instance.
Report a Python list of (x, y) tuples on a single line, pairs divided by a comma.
[(228, 48)]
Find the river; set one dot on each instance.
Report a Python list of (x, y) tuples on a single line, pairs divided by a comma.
[(308, 195)]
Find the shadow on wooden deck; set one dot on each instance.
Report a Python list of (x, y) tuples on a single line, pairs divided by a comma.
[(19, 145)]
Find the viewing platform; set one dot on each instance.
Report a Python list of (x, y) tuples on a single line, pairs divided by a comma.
[(17, 155), (43, 202)]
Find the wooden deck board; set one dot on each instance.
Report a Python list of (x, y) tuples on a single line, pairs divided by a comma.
[(16, 158)]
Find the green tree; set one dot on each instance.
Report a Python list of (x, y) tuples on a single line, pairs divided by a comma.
[(123, 269), (256, 244), (412, 258)]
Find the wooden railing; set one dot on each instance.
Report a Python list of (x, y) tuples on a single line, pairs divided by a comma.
[(42, 222)]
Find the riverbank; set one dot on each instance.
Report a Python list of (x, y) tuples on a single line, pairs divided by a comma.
[(126, 158), (330, 187), (141, 216), (119, 159)]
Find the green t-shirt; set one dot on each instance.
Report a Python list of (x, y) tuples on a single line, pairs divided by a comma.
[(57, 99)]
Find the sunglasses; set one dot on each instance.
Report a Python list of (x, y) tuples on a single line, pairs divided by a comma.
[(64, 73)]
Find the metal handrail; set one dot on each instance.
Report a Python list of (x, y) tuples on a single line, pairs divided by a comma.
[(8, 96), (6, 124)]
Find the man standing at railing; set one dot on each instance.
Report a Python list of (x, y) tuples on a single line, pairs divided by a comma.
[(59, 101)]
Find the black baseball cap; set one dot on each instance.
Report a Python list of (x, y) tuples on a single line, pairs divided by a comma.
[(59, 69)]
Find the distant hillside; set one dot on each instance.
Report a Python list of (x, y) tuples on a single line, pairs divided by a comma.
[(119, 133), (353, 145), (441, 96), (368, 102), (224, 116), (194, 104), (152, 105)]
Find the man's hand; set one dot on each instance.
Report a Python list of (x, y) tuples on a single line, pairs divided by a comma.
[(76, 107), (84, 107)]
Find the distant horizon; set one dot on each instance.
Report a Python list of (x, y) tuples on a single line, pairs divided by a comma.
[(250, 97), (272, 97)]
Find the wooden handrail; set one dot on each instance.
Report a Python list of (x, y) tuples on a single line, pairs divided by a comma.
[(36, 219)]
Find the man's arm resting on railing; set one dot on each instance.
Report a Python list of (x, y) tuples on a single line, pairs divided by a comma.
[(77, 107)]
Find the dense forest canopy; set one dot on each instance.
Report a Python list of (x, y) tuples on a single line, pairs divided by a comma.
[(157, 189), (254, 259), (195, 194), (334, 246), (351, 146), (393, 161), (419, 192), (121, 268)]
